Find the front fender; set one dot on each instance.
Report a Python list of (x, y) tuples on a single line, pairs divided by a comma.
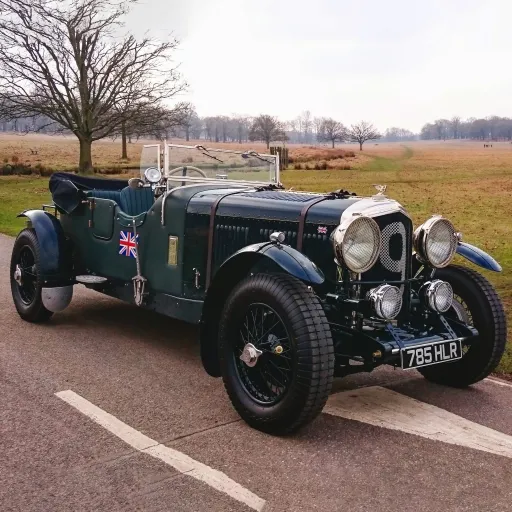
[(287, 258), (231, 272), (478, 257), (54, 251), (293, 262)]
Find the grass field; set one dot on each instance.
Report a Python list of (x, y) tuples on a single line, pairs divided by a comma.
[(470, 185), (60, 153)]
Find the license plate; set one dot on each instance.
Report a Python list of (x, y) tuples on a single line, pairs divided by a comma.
[(431, 353)]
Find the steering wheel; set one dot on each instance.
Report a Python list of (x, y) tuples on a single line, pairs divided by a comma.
[(186, 168)]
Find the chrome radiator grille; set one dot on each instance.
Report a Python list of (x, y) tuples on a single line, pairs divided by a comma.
[(394, 263)]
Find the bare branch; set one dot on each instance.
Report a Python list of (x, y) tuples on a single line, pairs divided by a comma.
[(267, 129), (362, 132), (329, 130), (65, 61)]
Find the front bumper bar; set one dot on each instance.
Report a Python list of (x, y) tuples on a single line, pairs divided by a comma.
[(376, 346)]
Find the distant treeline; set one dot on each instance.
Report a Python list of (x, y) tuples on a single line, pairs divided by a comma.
[(490, 128), (304, 129), (25, 125)]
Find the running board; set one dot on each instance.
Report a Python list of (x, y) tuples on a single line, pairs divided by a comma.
[(88, 279)]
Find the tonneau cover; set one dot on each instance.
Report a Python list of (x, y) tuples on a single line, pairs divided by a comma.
[(68, 189)]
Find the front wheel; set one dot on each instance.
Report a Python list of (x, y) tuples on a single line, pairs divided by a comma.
[(475, 303), (276, 352)]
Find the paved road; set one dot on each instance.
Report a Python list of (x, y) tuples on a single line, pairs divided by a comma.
[(144, 370)]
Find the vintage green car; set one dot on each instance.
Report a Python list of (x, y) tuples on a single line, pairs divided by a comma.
[(290, 289)]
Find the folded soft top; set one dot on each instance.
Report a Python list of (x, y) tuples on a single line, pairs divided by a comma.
[(86, 183), (68, 189)]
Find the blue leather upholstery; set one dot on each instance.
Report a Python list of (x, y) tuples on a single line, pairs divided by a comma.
[(131, 201), (114, 195), (136, 201)]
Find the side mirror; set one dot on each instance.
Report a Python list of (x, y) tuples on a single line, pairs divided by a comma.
[(135, 183)]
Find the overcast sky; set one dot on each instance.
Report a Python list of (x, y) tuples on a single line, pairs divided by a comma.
[(392, 62)]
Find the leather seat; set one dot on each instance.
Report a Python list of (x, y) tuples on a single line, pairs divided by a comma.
[(133, 202), (114, 195)]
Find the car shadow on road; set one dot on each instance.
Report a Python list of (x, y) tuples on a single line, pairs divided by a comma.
[(119, 323)]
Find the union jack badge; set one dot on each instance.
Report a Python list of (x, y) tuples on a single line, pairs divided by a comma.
[(322, 230), (127, 244)]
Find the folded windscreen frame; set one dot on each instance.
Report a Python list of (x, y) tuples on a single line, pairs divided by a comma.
[(191, 164), (68, 190)]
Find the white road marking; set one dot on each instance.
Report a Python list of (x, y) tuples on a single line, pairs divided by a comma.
[(499, 382), (386, 408), (178, 460)]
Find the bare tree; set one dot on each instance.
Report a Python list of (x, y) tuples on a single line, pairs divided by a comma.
[(292, 130), (330, 130), (267, 129), (493, 122), (197, 128), (441, 127), (155, 121), (306, 126), (317, 127), (242, 125), (165, 123), (189, 117), (398, 134), (361, 132), (213, 128), (66, 61), (455, 126), (224, 127)]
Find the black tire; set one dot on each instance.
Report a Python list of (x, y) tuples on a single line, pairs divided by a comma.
[(485, 311), (27, 296), (306, 376)]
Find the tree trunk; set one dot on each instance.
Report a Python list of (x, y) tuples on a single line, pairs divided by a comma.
[(124, 151), (268, 144), (360, 146), (332, 143), (187, 133), (85, 163)]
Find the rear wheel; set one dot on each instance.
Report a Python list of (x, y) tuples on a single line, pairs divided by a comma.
[(26, 282), (476, 303), (276, 352)]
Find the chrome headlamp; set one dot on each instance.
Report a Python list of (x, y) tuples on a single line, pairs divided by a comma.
[(438, 295), (386, 300), (356, 243), (153, 174), (435, 241)]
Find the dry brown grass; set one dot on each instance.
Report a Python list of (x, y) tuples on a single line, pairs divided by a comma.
[(312, 153), (60, 153)]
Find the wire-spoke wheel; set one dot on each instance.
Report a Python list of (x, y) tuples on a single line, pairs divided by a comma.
[(276, 352), (25, 275), (476, 303), (268, 380), (26, 283)]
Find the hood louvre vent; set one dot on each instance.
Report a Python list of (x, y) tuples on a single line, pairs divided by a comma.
[(229, 239), (295, 197)]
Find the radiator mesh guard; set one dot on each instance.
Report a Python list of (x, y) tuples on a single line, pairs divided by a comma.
[(394, 262)]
